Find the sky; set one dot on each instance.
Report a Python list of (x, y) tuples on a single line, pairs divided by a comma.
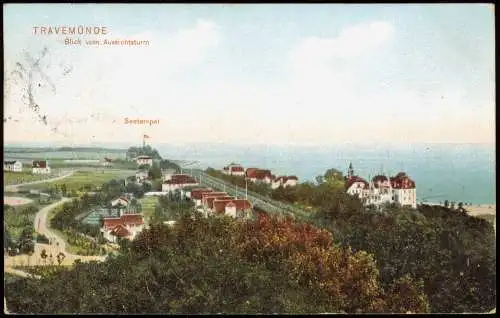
[(301, 74)]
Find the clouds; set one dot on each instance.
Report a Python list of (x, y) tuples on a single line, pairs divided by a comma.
[(319, 53), (327, 89)]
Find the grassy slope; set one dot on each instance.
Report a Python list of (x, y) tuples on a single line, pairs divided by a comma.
[(148, 206)]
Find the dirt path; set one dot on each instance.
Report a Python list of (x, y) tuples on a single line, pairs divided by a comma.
[(58, 245)]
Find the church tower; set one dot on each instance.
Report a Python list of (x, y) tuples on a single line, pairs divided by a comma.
[(350, 171)]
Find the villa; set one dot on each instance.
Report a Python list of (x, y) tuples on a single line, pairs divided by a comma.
[(107, 162), (232, 207), (382, 189), (13, 166)]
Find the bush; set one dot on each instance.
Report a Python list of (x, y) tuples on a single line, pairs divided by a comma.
[(42, 239)]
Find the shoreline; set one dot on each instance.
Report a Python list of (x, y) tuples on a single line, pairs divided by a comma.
[(474, 209)]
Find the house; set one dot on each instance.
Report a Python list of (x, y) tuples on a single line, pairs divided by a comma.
[(167, 174), (284, 181), (404, 190), (126, 226), (178, 181), (120, 201), (382, 189), (208, 201), (107, 162), (259, 175), (196, 194), (234, 170), (144, 160), (41, 167), (13, 166), (141, 176), (232, 207)]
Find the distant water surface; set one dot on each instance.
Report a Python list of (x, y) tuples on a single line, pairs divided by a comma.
[(454, 172)]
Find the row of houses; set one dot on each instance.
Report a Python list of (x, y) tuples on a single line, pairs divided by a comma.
[(260, 175), (38, 166), (382, 189), (211, 202)]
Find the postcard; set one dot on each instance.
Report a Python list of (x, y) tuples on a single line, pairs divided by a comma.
[(249, 158)]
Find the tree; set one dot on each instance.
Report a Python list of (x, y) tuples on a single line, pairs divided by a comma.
[(333, 175), (154, 172)]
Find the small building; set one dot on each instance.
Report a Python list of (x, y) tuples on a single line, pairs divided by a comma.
[(208, 200), (107, 162), (284, 181), (126, 226), (197, 194), (41, 167), (232, 207), (259, 175), (234, 169), (123, 201), (167, 174), (13, 166), (178, 181), (144, 160)]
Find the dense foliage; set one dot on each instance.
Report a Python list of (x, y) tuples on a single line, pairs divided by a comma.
[(19, 227), (222, 265), (453, 253)]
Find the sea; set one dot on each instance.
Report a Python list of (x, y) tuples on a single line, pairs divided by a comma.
[(453, 172)]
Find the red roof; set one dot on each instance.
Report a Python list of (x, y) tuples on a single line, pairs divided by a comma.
[(144, 157), (125, 219), (402, 181), (110, 223), (120, 231), (293, 178), (106, 159), (209, 194), (40, 164), (353, 180), (123, 198), (258, 173), (240, 204), (209, 202), (181, 179), (196, 193), (237, 169)]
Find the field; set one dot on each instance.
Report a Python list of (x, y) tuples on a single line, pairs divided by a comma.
[(81, 179), (11, 178), (148, 206)]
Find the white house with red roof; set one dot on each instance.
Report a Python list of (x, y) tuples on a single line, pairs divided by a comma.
[(284, 181), (127, 226), (232, 207), (41, 167), (142, 176), (382, 189), (13, 166), (234, 169), (178, 181), (259, 175)]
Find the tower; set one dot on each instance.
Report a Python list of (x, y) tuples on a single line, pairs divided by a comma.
[(350, 171)]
